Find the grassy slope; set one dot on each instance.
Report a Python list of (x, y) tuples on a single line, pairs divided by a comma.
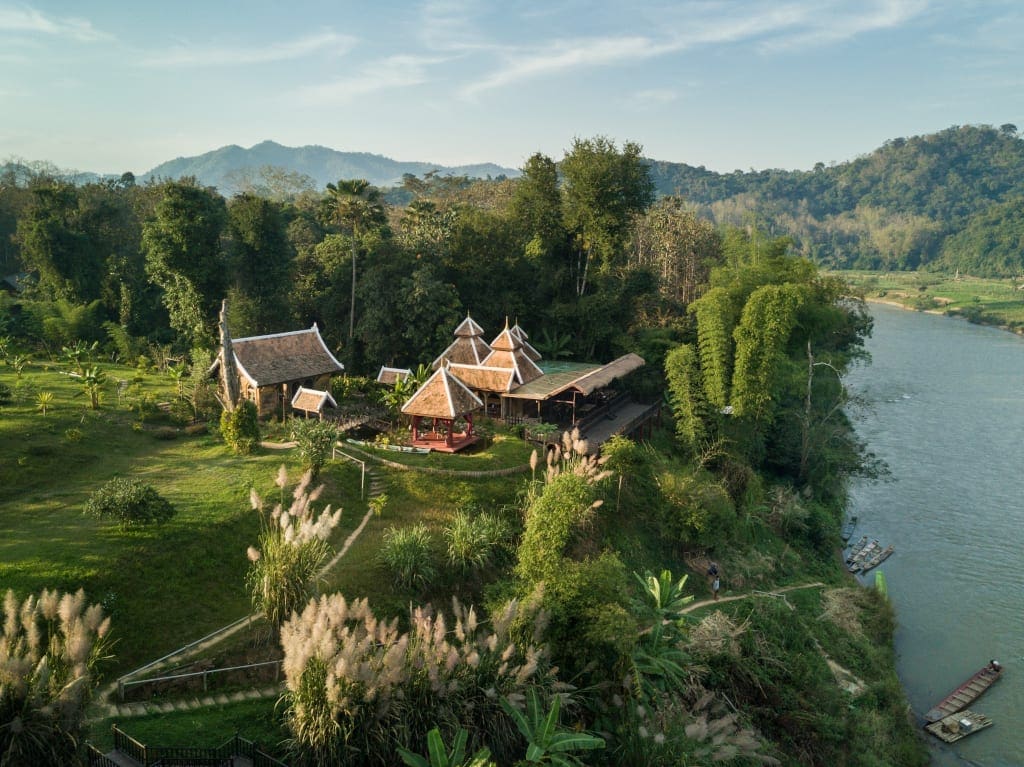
[(167, 585), (172, 584)]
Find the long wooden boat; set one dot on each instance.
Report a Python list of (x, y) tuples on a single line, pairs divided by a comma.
[(848, 528), (857, 561), (967, 693), (876, 559), (857, 548), (956, 726)]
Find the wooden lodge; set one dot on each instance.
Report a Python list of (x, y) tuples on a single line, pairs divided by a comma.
[(270, 370), (513, 382)]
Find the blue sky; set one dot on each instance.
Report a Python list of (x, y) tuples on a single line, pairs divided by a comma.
[(113, 86)]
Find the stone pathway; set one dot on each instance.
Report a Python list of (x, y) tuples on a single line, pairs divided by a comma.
[(106, 706)]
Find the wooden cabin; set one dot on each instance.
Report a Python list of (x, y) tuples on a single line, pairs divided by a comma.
[(272, 368)]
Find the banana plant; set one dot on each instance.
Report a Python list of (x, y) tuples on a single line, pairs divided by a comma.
[(439, 756), (548, 742), (658, 662)]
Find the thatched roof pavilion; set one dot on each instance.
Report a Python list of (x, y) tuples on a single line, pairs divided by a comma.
[(442, 399)]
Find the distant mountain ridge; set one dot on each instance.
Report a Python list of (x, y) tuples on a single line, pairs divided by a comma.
[(222, 167)]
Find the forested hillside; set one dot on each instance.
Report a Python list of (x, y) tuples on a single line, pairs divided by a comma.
[(951, 200)]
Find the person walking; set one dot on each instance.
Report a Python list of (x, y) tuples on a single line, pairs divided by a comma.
[(716, 581)]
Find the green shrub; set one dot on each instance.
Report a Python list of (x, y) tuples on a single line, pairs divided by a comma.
[(406, 551), (131, 502), (315, 440), (241, 428), (5, 394), (474, 542)]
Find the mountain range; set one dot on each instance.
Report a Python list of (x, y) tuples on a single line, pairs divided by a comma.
[(225, 168)]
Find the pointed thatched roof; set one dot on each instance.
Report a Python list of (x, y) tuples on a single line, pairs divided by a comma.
[(507, 352), (442, 396), (391, 376), (468, 348), (283, 357), (483, 378), (520, 334), (468, 328), (312, 400)]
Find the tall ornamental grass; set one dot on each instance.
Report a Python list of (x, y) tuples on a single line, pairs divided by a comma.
[(357, 688), (292, 550), (49, 648)]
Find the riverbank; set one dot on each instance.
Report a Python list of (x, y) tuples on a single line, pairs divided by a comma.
[(938, 499), (991, 302)]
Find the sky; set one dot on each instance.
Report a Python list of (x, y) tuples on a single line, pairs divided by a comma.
[(111, 86)]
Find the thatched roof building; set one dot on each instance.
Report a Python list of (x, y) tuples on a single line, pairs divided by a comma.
[(520, 334), (391, 376), (468, 348), (312, 401), (273, 367), (507, 352)]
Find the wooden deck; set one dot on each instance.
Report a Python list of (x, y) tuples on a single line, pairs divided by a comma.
[(626, 418), (437, 442)]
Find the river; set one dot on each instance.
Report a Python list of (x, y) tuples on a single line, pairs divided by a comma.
[(947, 415)]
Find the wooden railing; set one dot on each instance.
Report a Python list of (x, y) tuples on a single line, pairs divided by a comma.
[(204, 675), (167, 756)]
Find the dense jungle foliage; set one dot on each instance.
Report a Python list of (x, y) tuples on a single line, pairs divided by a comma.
[(950, 200)]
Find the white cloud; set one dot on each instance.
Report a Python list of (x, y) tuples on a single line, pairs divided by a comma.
[(189, 56), (827, 23), (390, 73), (768, 24), (26, 19)]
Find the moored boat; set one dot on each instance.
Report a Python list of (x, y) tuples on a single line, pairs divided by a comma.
[(848, 528), (876, 559), (856, 548), (967, 693), (855, 562), (956, 726)]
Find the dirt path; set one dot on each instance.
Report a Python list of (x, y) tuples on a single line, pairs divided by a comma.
[(776, 592)]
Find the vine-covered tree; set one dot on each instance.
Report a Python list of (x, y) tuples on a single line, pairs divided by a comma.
[(184, 257), (604, 188)]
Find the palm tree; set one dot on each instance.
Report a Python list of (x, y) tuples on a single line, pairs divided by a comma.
[(43, 401), (356, 206)]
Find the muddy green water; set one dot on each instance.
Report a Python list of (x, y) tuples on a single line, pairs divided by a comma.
[(947, 415)]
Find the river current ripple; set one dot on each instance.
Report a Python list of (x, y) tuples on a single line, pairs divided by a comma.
[(946, 413)]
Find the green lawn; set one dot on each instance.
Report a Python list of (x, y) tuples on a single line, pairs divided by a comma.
[(985, 301), (202, 728), (168, 585), (165, 585)]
